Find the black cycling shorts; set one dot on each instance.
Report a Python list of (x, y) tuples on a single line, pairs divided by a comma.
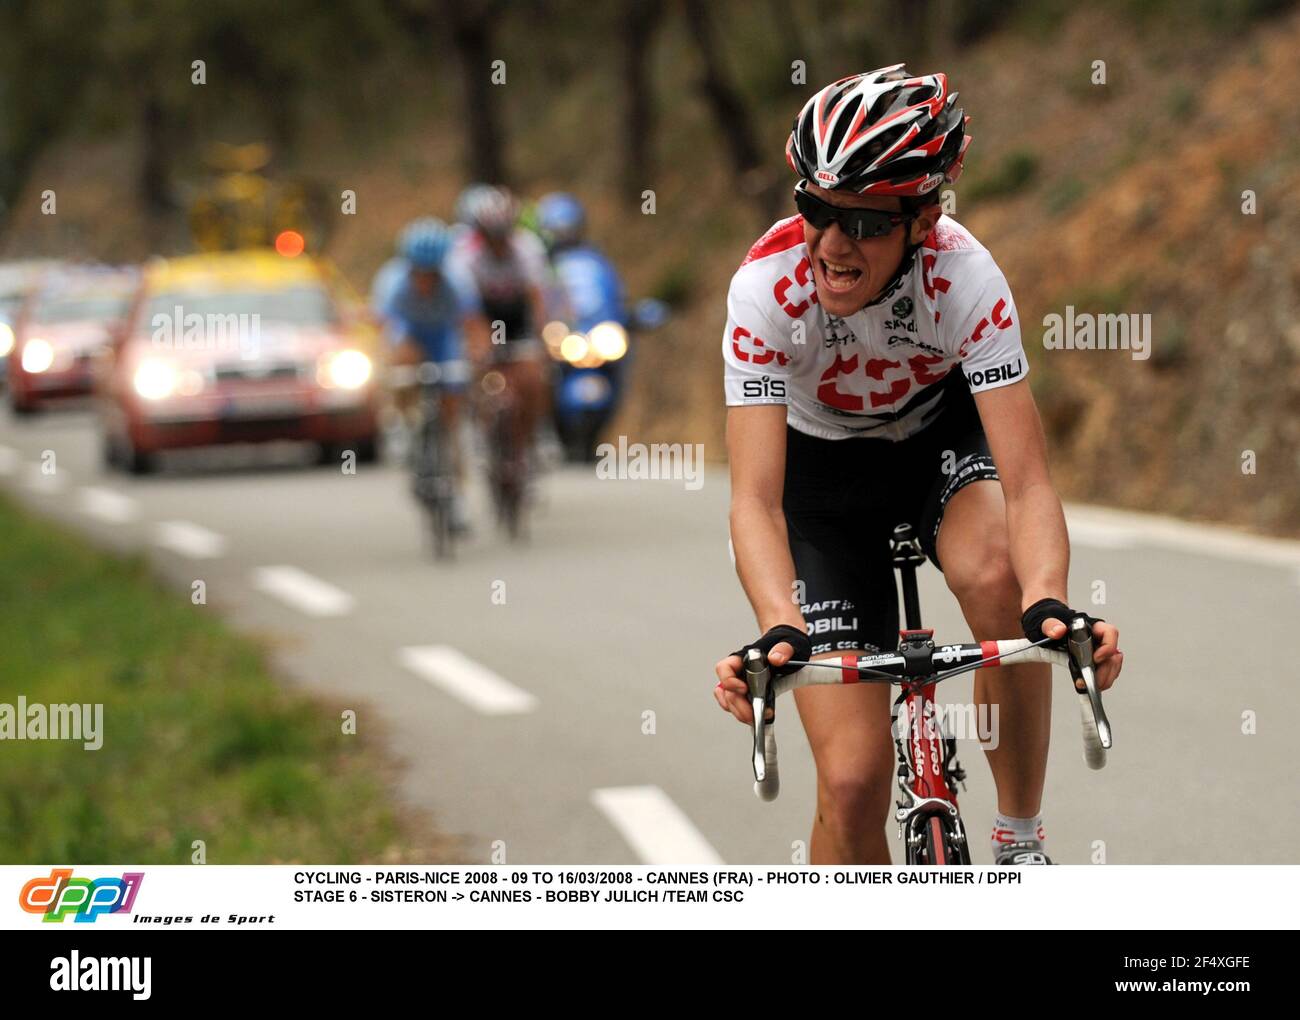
[(843, 498)]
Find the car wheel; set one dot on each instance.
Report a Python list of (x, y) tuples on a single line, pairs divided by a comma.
[(22, 409), (137, 461), (367, 450)]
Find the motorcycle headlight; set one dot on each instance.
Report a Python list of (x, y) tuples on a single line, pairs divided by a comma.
[(609, 340), (344, 370), (38, 355), (6, 339), (553, 334), (574, 348), (154, 380)]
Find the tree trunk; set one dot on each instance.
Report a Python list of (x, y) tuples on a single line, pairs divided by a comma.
[(640, 21), (755, 177), (155, 188), (471, 31)]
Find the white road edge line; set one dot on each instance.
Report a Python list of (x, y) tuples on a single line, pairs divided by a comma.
[(107, 504), (8, 460), (654, 826), (473, 683), (1199, 539), (189, 540), (299, 589)]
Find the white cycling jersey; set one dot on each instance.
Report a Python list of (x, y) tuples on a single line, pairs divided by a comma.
[(876, 373)]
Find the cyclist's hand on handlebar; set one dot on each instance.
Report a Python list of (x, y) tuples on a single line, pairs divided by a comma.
[(732, 693), (780, 644), (1106, 655)]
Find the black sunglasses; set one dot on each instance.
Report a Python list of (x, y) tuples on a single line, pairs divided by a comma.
[(856, 223)]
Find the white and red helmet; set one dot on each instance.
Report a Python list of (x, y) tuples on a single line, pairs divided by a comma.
[(880, 133)]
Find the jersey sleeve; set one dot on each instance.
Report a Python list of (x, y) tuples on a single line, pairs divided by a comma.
[(981, 325), (757, 357), (463, 288)]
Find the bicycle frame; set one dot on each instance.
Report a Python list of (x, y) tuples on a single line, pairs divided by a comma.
[(928, 769)]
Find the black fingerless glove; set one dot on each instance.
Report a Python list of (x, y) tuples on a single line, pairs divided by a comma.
[(1051, 609), (797, 639)]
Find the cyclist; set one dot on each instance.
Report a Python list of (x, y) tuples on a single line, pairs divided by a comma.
[(427, 311), (508, 269), (874, 374)]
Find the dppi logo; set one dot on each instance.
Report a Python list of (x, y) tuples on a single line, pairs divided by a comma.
[(86, 898)]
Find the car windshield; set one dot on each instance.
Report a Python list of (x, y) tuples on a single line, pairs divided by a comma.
[(298, 306), (79, 308)]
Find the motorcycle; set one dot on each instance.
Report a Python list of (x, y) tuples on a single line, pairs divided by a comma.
[(592, 354)]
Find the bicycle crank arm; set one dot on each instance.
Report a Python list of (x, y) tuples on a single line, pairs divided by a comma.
[(1096, 727)]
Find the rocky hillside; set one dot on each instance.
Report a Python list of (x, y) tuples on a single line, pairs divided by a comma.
[(1122, 197)]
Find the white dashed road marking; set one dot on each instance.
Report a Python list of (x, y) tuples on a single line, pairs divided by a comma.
[(303, 592), (39, 481), (190, 540), (470, 681), (654, 826), (8, 460), (108, 505)]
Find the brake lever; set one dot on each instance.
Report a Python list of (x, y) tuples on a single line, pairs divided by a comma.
[(762, 693), (1096, 727)]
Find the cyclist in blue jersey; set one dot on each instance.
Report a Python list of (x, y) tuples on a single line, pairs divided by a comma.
[(427, 312)]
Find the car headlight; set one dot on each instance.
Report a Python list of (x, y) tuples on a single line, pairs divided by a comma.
[(6, 339), (38, 355), (609, 340), (344, 370), (155, 380)]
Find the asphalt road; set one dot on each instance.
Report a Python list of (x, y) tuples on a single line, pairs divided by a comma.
[(551, 701)]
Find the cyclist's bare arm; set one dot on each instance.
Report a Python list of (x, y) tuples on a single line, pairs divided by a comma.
[(478, 338), (1040, 544), (756, 448)]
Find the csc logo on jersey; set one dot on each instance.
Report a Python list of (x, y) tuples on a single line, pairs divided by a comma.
[(765, 388), (803, 281), (747, 347)]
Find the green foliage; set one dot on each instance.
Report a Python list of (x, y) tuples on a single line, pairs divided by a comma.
[(1016, 172), (199, 743)]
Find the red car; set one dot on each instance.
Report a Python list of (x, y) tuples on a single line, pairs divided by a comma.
[(66, 322), (241, 347)]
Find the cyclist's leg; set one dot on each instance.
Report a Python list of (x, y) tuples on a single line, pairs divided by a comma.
[(528, 385), (850, 605), (973, 547)]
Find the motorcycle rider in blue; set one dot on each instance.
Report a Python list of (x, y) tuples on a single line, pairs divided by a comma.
[(427, 311), (591, 292)]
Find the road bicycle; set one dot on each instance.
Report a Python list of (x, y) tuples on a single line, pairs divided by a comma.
[(507, 457), (928, 771), (431, 460)]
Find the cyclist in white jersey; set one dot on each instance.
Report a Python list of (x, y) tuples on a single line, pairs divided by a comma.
[(874, 375), (509, 269)]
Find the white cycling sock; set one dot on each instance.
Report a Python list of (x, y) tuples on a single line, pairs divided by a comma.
[(1015, 830)]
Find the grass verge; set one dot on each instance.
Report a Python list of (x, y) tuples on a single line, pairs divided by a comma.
[(200, 743)]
